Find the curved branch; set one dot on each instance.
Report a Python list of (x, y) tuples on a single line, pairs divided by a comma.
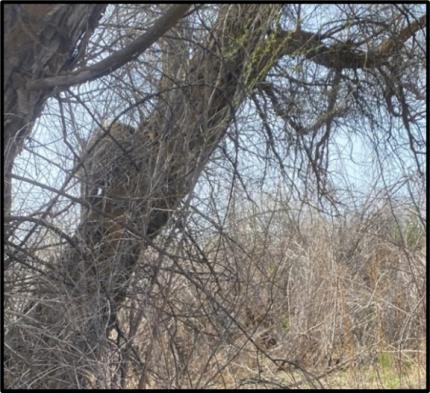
[(311, 46), (119, 58)]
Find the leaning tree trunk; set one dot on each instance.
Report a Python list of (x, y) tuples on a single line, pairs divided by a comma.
[(40, 40), (147, 175)]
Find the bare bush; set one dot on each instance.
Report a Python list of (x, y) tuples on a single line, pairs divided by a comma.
[(213, 195)]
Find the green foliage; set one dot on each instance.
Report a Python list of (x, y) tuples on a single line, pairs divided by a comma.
[(385, 360), (414, 234), (262, 59), (410, 232)]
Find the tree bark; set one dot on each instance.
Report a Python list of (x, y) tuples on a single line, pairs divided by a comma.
[(187, 125), (43, 43), (40, 40)]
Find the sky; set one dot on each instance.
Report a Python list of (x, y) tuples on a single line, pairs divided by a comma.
[(352, 159)]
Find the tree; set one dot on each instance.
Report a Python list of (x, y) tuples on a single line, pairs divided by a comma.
[(36, 50), (189, 92)]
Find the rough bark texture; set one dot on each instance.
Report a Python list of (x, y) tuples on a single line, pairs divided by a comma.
[(129, 208), (113, 233), (40, 40), (118, 58)]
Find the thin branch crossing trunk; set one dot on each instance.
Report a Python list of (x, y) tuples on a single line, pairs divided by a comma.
[(188, 124)]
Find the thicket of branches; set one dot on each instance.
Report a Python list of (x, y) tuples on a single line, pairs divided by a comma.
[(212, 195)]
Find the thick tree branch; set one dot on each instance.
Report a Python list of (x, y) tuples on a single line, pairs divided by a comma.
[(311, 46), (35, 48), (119, 58)]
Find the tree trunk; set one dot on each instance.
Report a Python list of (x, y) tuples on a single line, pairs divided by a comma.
[(188, 124), (165, 156), (40, 40)]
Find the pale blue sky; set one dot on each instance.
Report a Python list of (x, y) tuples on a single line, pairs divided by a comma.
[(351, 158)]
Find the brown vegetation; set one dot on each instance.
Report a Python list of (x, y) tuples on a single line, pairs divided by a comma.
[(220, 237)]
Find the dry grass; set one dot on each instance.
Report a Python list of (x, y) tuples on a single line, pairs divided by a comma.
[(412, 376), (276, 301), (324, 305)]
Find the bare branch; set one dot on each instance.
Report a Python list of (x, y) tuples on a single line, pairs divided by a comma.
[(344, 55), (119, 58)]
